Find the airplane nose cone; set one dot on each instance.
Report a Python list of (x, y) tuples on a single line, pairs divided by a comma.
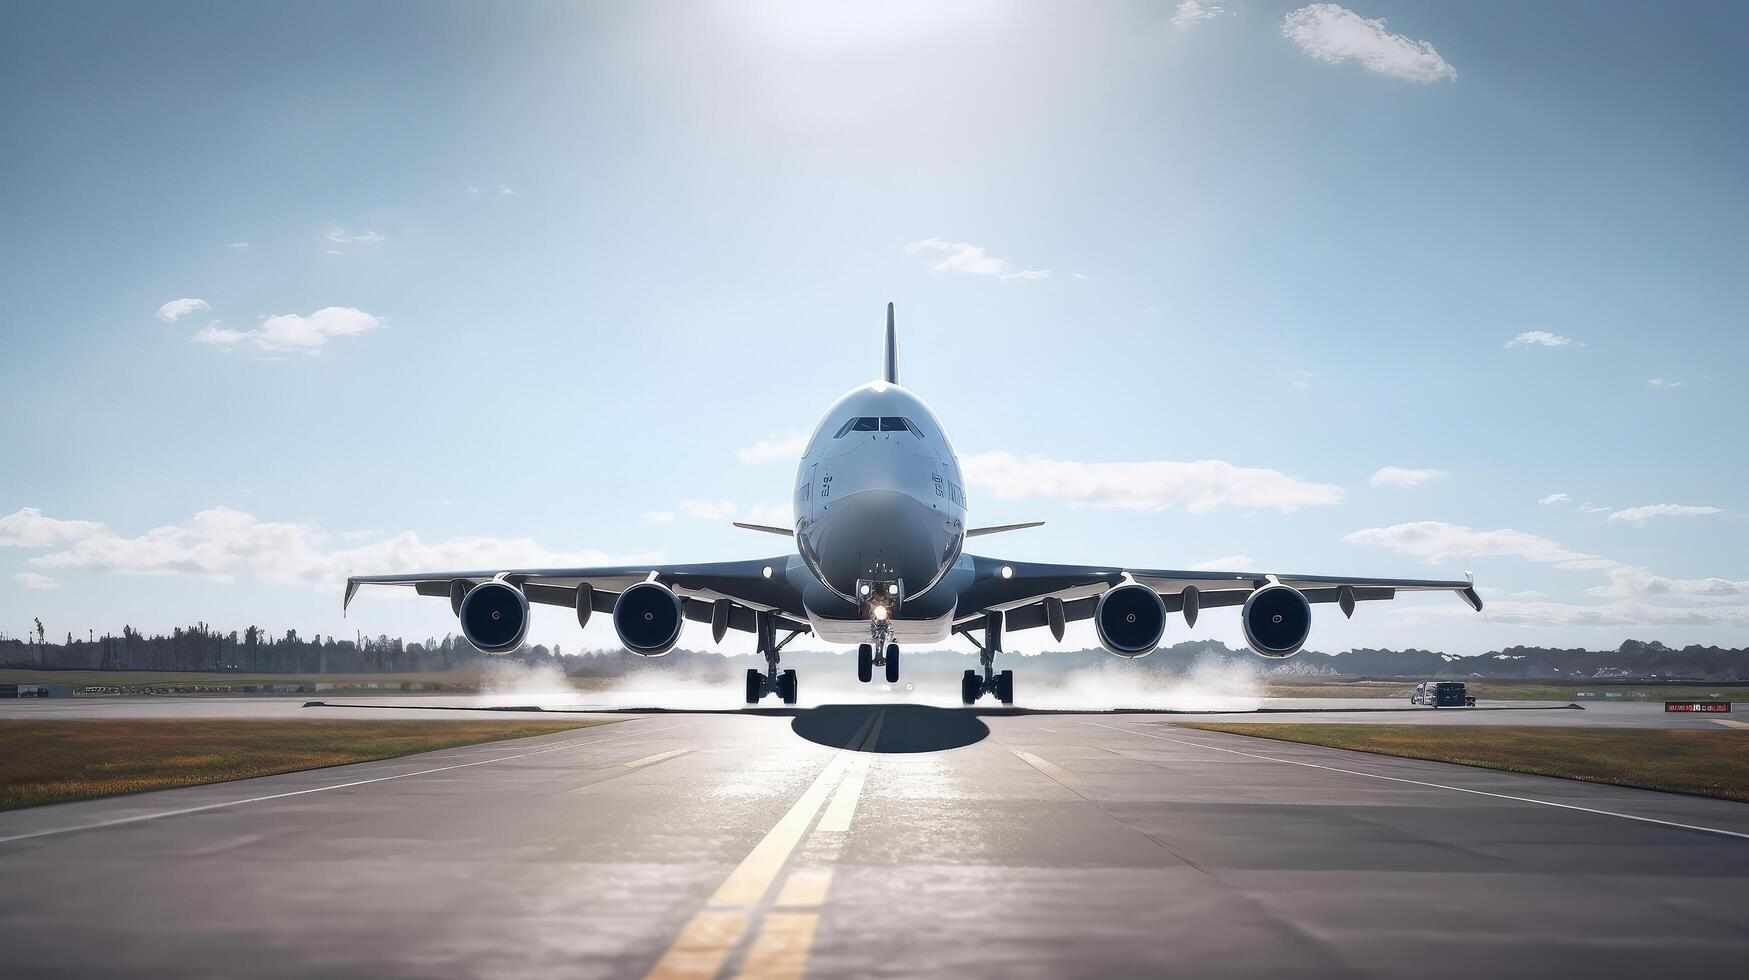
[(881, 534)]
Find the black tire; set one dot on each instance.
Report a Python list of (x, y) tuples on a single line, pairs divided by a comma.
[(865, 663), (755, 686), (1005, 687), (969, 687), (892, 663), (786, 686)]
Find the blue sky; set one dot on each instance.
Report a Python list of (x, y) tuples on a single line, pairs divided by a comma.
[(300, 290)]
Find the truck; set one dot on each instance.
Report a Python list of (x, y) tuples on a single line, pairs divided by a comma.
[(1442, 694)]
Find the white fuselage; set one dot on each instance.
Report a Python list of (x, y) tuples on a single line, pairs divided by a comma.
[(880, 510)]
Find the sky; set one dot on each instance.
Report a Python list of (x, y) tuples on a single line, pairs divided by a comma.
[(293, 291)]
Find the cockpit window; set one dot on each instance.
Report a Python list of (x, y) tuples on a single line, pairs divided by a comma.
[(886, 423)]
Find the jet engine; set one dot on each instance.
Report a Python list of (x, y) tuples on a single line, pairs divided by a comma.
[(494, 617), (1130, 620), (1276, 620), (648, 617)]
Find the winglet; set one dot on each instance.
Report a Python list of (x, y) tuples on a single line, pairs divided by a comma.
[(1469, 595), (890, 363), (351, 590)]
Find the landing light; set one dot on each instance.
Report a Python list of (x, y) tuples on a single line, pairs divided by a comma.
[(766, 571), (865, 588), (880, 612), (1007, 571), (892, 590)]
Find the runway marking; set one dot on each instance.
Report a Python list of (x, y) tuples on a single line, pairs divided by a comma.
[(780, 951), (1050, 769), (747, 884), (703, 946), (843, 805), (805, 889), (1729, 723), (185, 811), (1418, 782), (650, 760)]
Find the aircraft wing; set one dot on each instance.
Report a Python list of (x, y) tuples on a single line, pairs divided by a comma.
[(753, 586), (1023, 591)]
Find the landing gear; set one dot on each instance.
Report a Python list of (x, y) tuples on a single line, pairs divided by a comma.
[(881, 653), (770, 680), (998, 685)]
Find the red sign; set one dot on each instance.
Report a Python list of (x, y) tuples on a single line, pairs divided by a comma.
[(1709, 707)]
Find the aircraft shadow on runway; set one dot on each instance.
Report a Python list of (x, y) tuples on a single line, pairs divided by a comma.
[(904, 727)]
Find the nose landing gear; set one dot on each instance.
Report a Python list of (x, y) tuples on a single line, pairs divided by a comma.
[(881, 653)]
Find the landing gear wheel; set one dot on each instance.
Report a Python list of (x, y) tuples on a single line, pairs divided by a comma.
[(969, 685), (892, 663), (786, 686), (865, 663), (1005, 687), (755, 685)]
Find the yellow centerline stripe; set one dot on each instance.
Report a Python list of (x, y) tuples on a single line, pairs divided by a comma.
[(843, 805), (780, 951), (805, 889), (705, 943)]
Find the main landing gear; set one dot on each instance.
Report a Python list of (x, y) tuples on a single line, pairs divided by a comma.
[(770, 680), (867, 657), (999, 684)]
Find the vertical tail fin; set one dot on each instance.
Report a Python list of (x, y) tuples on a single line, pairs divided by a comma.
[(890, 363)]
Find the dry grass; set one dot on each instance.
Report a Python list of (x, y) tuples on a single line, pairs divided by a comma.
[(1695, 761), (55, 761)]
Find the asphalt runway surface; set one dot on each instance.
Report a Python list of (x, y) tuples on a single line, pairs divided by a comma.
[(879, 840)]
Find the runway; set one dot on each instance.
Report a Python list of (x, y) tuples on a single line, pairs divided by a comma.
[(880, 840)]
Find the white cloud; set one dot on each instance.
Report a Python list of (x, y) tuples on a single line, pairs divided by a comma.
[(1193, 12), (1555, 498), (707, 510), (238, 245), (228, 545), (505, 191), (1640, 515), (1539, 338), (1336, 34), (972, 260), (1198, 487), (289, 332), (1298, 380), (1590, 508), (777, 515), (30, 528), (1620, 613), (773, 450), (177, 308), (1435, 541), (340, 236), (659, 516), (1231, 563), (1662, 383), (1628, 581), (1397, 476), (34, 580)]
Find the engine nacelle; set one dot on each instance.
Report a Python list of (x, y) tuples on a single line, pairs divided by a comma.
[(648, 618), (494, 617), (1130, 620), (1277, 620)]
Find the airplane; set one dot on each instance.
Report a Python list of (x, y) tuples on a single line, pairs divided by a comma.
[(880, 523)]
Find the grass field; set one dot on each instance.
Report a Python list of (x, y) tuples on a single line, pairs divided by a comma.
[(1704, 763), (56, 761)]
